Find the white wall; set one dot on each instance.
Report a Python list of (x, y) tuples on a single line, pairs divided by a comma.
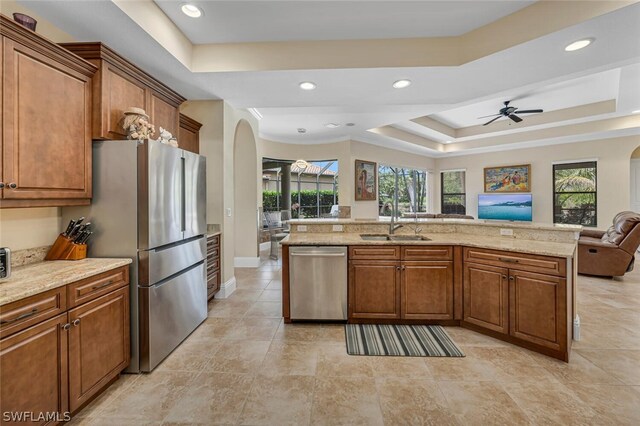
[(613, 156)]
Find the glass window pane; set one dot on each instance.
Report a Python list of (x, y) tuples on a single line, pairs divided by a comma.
[(407, 187), (575, 196), (453, 182)]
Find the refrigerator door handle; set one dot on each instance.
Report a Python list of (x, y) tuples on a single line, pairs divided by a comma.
[(183, 201)]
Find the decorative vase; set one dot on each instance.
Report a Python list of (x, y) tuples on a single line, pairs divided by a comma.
[(25, 20)]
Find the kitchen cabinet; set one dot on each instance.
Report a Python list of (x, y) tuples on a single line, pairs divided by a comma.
[(486, 296), (213, 265), (57, 364), (374, 289), (46, 122), (189, 134), (118, 85), (427, 290)]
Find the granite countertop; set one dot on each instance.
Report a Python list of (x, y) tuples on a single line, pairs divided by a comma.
[(42, 276), (498, 243)]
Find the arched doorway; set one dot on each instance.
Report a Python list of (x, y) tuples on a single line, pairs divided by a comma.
[(245, 190), (635, 180)]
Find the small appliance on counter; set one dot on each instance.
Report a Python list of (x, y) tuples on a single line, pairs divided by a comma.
[(72, 243), (5, 262)]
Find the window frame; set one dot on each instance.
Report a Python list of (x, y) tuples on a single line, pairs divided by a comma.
[(580, 164), (443, 194)]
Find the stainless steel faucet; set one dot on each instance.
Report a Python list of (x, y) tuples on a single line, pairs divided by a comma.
[(392, 225)]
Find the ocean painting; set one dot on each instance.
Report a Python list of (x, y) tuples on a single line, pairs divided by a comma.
[(505, 207), (508, 179)]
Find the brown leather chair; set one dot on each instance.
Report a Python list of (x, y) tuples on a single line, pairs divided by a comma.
[(610, 253)]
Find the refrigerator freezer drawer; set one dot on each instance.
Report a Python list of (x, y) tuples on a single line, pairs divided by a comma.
[(158, 264), (169, 312)]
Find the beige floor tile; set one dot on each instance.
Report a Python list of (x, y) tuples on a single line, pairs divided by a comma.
[(623, 364), (462, 336), (279, 400), (346, 401), (229, 309), (334, 361), (191, 356), (150, 397), (461, 369), (510, 364), (550, 403), (275, 284), (212, 398), (245, 295), (482, 403), (120, 385), (253, 329), (399, 366), (331, 334), (271, 296), (251, 283), (239, 356), (413, 402), (297, 332), (265, 310), (619, 404), (213, 328), (578, 370), (286, 358)]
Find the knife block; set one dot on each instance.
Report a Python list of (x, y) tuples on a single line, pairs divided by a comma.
[(65, 249)]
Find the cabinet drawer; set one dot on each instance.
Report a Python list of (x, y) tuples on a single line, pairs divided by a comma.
[(213, 240), (92, 287), (374, 252), (26, 312), (213, 264), (524, 262), (213, 251), (427, 253)]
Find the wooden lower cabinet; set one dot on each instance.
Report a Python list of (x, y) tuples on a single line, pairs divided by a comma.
[(374, 289), (33, 366), (98, 344), (486, 296), (537, 309), (427, 290)]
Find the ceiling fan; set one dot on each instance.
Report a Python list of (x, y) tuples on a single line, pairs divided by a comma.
[(510, 112)]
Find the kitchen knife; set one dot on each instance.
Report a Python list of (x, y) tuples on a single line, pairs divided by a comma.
[(66, 232), (85, 237), (74, 231)]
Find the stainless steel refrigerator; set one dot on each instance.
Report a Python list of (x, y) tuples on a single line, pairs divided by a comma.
[(149, 204)]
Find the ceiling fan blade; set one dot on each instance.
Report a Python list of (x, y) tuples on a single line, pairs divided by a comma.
[(491, 121), (515, 118), (487, 116), (529, 111)]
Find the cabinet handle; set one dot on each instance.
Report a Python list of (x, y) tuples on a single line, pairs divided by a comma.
[(96, 287), (66, 327), (19, 317), (511, 278), (76, 322), (507, 260), (13, 185)]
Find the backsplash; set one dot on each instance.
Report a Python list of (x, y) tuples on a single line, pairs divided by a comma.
[(28, 256)]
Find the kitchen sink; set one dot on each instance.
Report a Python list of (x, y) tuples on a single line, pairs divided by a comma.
[(375, 237)]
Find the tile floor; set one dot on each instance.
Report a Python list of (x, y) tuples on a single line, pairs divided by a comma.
[(243, 365)]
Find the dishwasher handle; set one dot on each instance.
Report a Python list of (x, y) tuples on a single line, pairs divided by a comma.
[(311, 254)]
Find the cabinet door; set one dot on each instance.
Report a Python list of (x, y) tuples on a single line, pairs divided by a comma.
[(189, 140), (46, 127), (374, 289), (486, 297), (119, 91), (538, 308), (33, 363), (98, 344), (427, 290), (163, 115)]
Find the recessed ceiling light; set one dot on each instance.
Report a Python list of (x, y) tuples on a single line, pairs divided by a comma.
[(636, 111), (401, 84), (191, 10), (448, 141), (332, 125), (579, 44), (307, 85), (350, 124), (302, 130)]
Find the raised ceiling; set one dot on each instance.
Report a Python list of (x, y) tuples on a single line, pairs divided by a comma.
[(260, 21), (586, 94)]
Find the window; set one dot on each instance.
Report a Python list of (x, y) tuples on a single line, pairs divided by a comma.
[(401, 189), (574, 193), (453, 192)]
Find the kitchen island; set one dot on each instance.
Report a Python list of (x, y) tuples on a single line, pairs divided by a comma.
[(515, 282)]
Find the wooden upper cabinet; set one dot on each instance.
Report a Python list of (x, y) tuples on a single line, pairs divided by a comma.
[(119, 84), (46, 122), (189, 134)]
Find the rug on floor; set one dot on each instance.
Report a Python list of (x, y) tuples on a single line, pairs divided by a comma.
[(400, 340)]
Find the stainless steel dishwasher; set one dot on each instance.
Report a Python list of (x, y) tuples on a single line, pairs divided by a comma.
[(318, 282)]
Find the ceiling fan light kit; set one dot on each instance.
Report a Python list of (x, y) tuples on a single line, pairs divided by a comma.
[(510, 112)]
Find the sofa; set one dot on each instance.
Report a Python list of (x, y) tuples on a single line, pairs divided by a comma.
[(610, 253), (436, 216)]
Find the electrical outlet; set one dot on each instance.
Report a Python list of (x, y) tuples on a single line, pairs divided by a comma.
[(506, 232), (337, 228), (302, 228)]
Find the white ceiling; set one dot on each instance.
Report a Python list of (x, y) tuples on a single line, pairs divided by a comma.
[(247, 21), (540, 70)]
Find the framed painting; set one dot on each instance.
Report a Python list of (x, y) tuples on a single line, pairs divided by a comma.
[(366, 180), (508, 178)]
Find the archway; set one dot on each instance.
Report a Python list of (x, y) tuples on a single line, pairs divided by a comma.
[(634, 183), (245, 203)]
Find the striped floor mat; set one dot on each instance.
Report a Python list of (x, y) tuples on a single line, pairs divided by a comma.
[(399, 340)]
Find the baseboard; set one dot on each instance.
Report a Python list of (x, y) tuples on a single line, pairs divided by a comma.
[(265, 246), (246, 262), (226, 289)]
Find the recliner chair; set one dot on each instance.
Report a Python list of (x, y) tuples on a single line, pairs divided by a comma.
[(612, 252)]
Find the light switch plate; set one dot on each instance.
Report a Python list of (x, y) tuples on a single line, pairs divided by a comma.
[(302, 228), (337, 228), (506, 232), (228, 212)]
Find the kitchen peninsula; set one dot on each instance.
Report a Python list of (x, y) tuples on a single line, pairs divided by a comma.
[(515, 282)]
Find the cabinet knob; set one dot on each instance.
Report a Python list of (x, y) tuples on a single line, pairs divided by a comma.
[(66, 326), (1, 185), (511, 278), (76, 322), (504, 277), (13, 185), (398, 268)]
